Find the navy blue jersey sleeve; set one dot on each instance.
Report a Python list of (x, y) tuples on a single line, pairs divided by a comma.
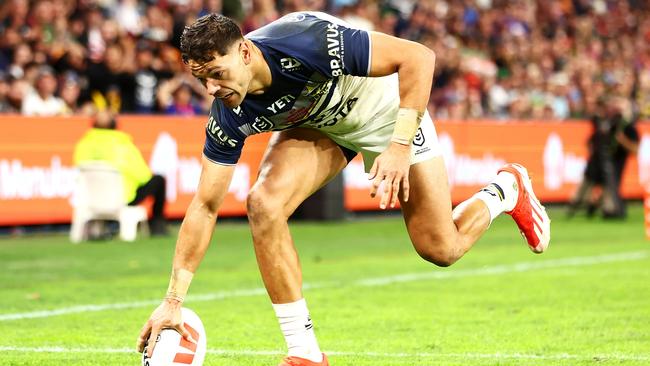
[(320, 42), (222, 144)]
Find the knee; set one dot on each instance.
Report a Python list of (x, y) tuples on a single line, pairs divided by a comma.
[(438, 251), (261, 207)]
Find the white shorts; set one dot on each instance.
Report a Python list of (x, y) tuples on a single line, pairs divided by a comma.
[(369, 126)]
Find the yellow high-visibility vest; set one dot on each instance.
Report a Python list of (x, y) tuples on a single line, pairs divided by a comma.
[(117, 149)]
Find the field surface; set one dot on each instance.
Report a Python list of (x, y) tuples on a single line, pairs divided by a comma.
[(373, 300)]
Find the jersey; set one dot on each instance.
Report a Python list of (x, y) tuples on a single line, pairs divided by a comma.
[(316, 63)]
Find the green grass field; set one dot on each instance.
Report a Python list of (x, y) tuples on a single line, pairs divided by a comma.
[(373, 300)]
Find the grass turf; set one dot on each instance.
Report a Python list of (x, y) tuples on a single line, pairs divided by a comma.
[(373, 301)]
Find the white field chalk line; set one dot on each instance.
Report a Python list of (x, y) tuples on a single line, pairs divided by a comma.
[(517, 356), (506, 268), (376, 281)]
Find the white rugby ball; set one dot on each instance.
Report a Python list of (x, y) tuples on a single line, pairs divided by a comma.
[(172, 350)]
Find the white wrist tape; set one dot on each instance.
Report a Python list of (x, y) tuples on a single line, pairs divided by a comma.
[(406, 126), (179, 283)]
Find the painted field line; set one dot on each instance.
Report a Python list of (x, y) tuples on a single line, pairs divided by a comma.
[(375, 281), (506, 268), (430, 355)]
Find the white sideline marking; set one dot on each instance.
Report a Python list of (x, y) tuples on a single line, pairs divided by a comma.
[(506, 268), (376, 281), (516, 356)]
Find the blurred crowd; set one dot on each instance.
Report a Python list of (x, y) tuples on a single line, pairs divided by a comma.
[(516, 59)]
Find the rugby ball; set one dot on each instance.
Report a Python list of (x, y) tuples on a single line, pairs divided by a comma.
[(172, 350)]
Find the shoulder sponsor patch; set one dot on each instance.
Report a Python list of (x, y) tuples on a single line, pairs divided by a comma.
[(219, 135), (290, 64)]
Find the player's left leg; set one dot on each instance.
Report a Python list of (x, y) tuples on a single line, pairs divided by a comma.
[(436, 236), (442, 236)]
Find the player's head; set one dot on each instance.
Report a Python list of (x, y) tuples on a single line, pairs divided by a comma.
[(219, 56)]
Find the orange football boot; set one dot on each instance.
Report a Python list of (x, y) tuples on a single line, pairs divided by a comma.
[(530, 216)]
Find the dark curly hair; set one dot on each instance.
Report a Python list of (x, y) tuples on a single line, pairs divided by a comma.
[(209, 33)]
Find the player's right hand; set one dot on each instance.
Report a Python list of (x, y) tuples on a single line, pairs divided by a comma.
[(392, 168), (166, 316)]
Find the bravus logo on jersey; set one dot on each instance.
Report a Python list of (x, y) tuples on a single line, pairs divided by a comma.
[(334, 42), (218, 135)]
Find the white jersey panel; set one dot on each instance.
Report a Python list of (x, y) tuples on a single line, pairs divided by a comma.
[(369, 126)]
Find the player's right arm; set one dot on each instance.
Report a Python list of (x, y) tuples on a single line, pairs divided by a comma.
[(193, 241)]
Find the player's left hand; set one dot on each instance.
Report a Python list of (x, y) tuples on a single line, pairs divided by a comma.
[(391, 166)]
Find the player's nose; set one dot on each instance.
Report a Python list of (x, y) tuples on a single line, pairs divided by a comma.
[(212, 86)]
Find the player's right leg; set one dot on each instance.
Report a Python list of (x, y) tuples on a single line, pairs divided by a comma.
[(443, 236), (297, 163)]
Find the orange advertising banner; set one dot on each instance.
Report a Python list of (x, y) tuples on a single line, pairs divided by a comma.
[(37, 178), (555, 154)]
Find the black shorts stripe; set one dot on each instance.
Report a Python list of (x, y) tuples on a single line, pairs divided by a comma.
[(349, 154)]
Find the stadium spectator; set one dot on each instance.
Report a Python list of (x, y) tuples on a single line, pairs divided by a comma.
[(127, 15), (263, 12), (18, 89), (22, 56), (178, 96), (103, 142), (147, 78), (112, 82), (625, 141), (41, 100), (643, 94), (73, 60), (5, 107), (548, 57), (614, 138), (70, 92), (360, 14), (593, 177)]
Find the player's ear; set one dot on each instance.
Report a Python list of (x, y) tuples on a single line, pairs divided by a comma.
[(246, 52)]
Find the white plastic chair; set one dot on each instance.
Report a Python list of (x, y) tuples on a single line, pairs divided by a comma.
[(99, 195)]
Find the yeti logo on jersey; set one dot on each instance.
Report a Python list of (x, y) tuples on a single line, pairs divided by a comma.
[(262, 124), (334, 49), (218, 135), (418, 140), (282, 102), (289, 64)]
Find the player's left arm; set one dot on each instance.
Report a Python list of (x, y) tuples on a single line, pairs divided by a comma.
[(414, 64)]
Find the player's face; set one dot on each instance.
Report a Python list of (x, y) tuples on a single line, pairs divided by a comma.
[(225, 77)]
